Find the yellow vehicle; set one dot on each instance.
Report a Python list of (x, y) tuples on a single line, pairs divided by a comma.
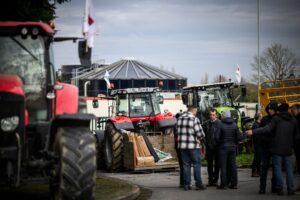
[(282, 91)]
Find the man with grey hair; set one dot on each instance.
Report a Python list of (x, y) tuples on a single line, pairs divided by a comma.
[(228, 139), (190, 132)]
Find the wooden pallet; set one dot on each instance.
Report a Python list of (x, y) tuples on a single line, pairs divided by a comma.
[(160, 166), (130, 163)]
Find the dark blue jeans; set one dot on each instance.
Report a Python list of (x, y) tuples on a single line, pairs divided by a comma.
[(227, 156), (277, 164), (256, 163), (181, 183), (189, 157), (265, 165), (213, 167)]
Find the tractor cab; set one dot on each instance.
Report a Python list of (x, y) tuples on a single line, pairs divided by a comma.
[(26, 54), (38, 116), (216, 95), (137, 110), (137, 102)]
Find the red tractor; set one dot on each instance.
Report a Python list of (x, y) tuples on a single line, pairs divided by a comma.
[(137, 110), (41, 133)]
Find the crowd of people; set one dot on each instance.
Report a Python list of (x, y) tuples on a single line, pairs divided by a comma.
[(275, 138)]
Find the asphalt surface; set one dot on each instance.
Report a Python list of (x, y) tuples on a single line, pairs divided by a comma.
[(165, 186)]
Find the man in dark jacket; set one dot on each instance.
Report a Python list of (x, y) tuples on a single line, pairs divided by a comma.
[(266, 155), (296, 113), (228, 139), (212, 130), (283, 131)]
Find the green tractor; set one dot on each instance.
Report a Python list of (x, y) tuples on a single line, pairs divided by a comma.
[(219, 96)]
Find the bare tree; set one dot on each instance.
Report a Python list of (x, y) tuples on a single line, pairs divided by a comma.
[(276, 62), (204, 79), (220, 78)]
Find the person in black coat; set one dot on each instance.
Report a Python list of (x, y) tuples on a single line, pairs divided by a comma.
[(296, 113), (256, 163), (212, 130), (266, 155), (283, 131), (228, 139)]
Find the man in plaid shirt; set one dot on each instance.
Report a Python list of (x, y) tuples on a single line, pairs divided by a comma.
[(189, 134)]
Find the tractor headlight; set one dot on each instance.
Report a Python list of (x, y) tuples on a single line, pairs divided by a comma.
[(9, 123)]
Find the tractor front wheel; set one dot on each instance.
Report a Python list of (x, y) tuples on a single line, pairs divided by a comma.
[(75, 148), (113, 148)]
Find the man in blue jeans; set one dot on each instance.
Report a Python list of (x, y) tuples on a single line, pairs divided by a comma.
[(285, 131), (190, 132)]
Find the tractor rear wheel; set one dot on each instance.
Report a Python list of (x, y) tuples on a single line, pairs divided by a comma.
[(75, 148), (113, 148)]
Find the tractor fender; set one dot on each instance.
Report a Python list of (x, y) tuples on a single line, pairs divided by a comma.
[(70, 120), (121, 122), (167, 123)]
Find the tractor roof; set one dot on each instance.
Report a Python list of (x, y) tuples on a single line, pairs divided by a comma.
[(15, 24), (134, 90), (210, 85)]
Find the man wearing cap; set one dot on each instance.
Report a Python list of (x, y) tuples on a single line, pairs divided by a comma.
[(190, 133), (228, 139)]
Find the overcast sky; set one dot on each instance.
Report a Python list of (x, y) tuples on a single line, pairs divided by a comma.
[(190, 36)]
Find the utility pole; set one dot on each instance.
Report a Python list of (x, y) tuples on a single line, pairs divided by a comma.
[(258, 56)]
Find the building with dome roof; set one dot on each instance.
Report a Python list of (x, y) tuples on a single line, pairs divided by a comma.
[(129, 73)]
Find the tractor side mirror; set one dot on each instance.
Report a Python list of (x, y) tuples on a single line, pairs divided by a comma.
[(95, 103), (244, 91), (160, 99), (184, 99)]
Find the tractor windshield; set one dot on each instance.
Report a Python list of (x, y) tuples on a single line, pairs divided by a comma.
[(138, 105), (25, 58), (214, 97)]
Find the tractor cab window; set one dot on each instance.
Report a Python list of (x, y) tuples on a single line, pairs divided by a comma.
[(213, 98), (25, 58), (155, 102), (140, 105), (122, 106)]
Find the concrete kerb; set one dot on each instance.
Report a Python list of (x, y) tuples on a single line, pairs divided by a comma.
[(133, 194)]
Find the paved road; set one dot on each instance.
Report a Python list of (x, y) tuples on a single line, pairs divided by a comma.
[(165, 186)]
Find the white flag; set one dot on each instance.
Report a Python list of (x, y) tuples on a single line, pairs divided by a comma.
[(238, 74), (89, 26), (106, 78)]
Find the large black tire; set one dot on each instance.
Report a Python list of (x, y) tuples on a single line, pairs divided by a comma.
[(113, 148), (76, 168)]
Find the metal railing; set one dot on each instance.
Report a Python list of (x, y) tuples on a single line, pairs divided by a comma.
[(99, 123)]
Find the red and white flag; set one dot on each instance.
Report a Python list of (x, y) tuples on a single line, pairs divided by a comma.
[(106, 78), (89, 25), (238, 75)]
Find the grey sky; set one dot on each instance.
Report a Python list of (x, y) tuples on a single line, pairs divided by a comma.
[(190, 36)]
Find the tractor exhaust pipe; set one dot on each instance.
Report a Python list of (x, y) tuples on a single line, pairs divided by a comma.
[(85, 87)]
